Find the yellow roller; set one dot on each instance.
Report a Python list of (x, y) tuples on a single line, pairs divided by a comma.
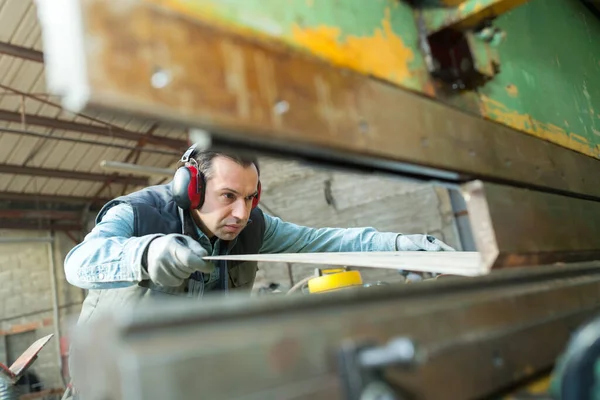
[(334, 281)]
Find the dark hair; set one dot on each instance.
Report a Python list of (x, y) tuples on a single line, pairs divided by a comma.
[(204, 159)]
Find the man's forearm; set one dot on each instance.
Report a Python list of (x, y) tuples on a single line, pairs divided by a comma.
[(103, 263), (285, 237), (110, 256)]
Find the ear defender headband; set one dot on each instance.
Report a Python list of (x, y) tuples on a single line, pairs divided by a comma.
[(189, 184)]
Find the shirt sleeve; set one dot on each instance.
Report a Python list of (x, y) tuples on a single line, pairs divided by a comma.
[(286, 237), (109, 256)]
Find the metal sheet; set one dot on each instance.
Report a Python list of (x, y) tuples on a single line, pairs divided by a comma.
[(268, 96), (479, 334), (465, 263), (29, 356), (515, 227)]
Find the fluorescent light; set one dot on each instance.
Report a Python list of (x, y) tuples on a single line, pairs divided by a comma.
[(116, 166)]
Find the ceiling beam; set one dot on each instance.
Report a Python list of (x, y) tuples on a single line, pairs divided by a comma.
[(49, 198), (21, 52), (54, 123), (57, 106), (64, 174), (29, 225), (45, 136), (41, 214), (140, 144)]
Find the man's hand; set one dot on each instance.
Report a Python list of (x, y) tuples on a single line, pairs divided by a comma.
[(420, 243), (173, 258)]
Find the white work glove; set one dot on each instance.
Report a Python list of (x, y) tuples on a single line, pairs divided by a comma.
[(420, 243), (174, 257)]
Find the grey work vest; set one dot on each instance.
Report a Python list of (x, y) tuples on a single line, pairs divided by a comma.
[(155, 212)]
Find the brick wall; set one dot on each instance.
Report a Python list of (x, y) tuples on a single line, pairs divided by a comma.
[(26, 299)]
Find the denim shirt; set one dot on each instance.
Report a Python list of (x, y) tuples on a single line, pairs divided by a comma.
[(111, 257)]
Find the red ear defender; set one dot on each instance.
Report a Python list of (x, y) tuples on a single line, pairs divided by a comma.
[(257, 198), (188, 183), (195, 188), (188, 188)]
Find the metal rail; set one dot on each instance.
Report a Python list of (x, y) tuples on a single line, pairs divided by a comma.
[(477, 335)]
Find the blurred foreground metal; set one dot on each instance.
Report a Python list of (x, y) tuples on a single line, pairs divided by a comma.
[(473, 337)]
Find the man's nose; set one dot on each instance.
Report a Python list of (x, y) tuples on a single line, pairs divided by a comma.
[(240, 210)]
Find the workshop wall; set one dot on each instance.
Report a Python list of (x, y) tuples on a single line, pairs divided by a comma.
[(26, 300), (319, 197)]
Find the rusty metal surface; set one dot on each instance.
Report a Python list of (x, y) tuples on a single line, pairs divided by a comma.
[(479, 335), (271, 97), (514, 227), (29, 356)]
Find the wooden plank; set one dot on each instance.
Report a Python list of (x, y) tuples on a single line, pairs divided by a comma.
[(467, 263), (515, 227)]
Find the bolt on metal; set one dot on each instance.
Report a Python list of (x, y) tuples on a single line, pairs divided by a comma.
[(281, 107), (160, 78)]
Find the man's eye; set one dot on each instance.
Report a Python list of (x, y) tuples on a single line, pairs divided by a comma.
[(229, 196)]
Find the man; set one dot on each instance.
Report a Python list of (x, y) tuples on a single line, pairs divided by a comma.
[(152, 242)]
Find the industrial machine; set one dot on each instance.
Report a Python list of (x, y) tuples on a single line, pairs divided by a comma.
[(498, 98)]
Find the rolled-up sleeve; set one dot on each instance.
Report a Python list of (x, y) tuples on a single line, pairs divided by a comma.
[(286, 237), (109, 256)]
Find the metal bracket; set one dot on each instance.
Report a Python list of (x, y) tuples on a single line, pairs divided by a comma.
[(360, 367), (459, 41)]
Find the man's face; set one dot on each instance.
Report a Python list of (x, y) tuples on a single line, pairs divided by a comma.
[(230, 190)]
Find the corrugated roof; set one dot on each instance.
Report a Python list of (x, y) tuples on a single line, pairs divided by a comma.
[(46, 148)]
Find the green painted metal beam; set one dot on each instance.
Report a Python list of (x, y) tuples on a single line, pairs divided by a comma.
[(378, 37), (549, 80)]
